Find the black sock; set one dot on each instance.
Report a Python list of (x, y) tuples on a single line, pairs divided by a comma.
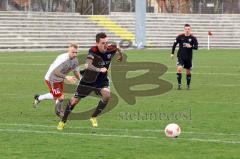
[(67, 111), (179, 78), (188, 79), (99, 109)]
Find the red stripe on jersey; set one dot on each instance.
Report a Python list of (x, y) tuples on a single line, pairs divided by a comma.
[(94, 49)]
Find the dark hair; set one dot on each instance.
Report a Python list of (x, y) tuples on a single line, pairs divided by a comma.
[(100, 36), (187, 25)]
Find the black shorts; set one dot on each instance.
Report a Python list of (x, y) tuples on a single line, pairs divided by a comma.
[(185, 63), (84, 89)]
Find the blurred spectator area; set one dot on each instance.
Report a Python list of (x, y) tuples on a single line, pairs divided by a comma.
[(199, 6), (38, 5), (99, 7)]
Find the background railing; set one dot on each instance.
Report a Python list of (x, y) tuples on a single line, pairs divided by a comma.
[(38, 5), (107, 6)]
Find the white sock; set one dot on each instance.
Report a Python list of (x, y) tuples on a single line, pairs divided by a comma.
[(45, 96), (58, 103)]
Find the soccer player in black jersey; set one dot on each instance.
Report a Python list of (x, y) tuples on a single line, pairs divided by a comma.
[(187, 42), (94, 77)]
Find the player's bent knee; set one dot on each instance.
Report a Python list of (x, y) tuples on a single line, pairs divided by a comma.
[(106, 96), (74, 101), (179, 69), (107, 90)]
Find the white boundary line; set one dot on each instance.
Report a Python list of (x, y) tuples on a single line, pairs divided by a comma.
[(206, 73), (195, 73), (203, 102), (210, 140), (198, 102), (220, 85), (212, 73), (16, 63), (73, 133), (119, 136), (112, 129), (207, 66)]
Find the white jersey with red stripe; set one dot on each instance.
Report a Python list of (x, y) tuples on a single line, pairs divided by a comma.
[(64, 64)]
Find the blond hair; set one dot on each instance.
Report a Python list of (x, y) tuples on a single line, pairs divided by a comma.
[(74, 45)]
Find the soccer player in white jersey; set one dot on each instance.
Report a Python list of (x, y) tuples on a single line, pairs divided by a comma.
[(56, 75)]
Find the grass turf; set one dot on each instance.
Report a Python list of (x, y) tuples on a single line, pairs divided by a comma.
[(208, 113)]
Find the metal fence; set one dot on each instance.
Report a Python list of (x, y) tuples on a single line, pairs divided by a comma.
[(108, 6), (38, 5), (104, 6)]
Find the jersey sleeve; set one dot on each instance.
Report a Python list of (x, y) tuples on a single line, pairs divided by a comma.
[(175, 44), (90, 55), (195, 43), (91, 60), (58, 71)]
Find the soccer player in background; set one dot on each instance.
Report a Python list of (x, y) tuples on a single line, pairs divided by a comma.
[(56, 75), (187, 42), (94, 78)]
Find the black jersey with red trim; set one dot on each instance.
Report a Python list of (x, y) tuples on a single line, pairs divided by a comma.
[(183, 51), (100, 60)]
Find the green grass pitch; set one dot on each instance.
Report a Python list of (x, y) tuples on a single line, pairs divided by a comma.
[(208, 114)]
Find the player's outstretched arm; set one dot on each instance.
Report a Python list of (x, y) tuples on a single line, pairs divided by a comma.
[(71, 79), (58, 72), (77, 74)]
